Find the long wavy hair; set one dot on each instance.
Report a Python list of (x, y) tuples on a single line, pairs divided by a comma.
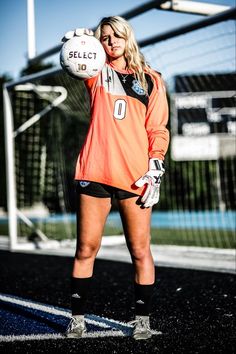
[(135, 60)]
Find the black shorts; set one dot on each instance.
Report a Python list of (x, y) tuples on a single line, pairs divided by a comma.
[(100, 190)]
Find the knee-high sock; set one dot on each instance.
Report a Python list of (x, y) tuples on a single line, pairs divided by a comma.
[(79, 293), (143, 295)]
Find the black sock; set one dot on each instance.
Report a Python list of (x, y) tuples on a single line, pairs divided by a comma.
[(79, 294), (143, 295)]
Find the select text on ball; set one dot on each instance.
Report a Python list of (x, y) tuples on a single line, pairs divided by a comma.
[(82, 55)]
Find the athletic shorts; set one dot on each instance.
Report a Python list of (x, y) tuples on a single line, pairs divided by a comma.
[(100, 190)]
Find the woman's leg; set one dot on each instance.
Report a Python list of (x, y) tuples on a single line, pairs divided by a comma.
[(91, 217), (136, 224)]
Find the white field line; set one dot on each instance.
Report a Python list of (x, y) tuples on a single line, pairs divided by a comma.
[(24, 337), (128, 325), (35, 306)]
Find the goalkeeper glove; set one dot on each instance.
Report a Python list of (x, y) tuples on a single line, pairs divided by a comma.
[(153, 180), (77, 33)]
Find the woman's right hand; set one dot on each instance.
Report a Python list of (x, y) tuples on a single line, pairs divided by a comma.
[(77, 33)]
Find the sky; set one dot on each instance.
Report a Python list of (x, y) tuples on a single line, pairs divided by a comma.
[(55, 17)]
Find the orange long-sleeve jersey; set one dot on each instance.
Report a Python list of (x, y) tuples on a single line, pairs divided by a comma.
[(127, 127)]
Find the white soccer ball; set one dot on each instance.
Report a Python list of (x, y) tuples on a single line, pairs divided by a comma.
[(82, 57)]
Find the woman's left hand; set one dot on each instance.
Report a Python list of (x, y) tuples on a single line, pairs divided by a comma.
[(77, 33), (153, 180)]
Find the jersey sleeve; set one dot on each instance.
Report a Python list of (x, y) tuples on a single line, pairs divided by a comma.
[(90, 82), (156, 120)]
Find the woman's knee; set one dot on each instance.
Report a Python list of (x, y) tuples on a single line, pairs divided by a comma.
[(140, 251), (87, 251)]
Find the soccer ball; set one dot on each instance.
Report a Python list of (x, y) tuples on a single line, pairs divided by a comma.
[(82, 57)]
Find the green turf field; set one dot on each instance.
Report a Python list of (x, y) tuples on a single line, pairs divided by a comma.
[(183, 237)]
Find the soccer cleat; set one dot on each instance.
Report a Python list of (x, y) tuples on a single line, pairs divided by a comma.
[(142, 328), (76, 327)]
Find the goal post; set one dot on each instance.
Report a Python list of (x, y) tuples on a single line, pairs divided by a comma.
[(55, 95), (10, 170)]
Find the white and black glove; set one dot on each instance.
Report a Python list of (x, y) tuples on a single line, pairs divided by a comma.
[(77, 33), (153, 180)]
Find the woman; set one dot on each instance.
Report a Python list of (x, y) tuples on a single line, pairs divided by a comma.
[(121, 158)]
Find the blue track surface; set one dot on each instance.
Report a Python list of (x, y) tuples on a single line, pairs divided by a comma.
[(173, 219)]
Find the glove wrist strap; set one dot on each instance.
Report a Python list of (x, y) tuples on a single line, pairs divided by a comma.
[(156, 164)]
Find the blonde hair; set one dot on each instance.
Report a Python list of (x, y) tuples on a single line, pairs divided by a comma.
[(134, 58)]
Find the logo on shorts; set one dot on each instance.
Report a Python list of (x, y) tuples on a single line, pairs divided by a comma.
[(84, 184)]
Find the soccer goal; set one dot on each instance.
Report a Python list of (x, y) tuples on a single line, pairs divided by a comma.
[(46, 120), (42, 140)]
